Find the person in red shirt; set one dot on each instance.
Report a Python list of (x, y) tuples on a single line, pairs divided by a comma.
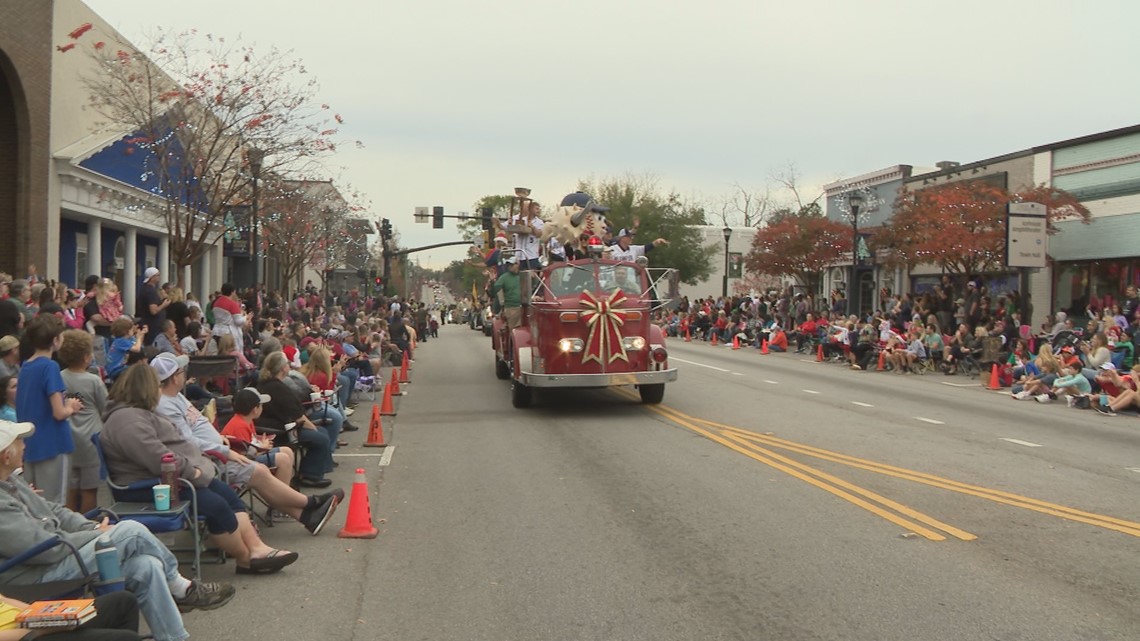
[(243, 435), (779, 342), (806, 332)]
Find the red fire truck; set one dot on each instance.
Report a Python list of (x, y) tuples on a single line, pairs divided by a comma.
[(586, 323)]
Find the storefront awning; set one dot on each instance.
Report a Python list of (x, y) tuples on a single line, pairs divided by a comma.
[(1104, 237)]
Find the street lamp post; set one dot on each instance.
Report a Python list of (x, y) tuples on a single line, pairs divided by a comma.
[(854, 201), (727, 234), (256, 156)]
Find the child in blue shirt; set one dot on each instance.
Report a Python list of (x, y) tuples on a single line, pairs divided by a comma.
[(40, 400), (127, 338)]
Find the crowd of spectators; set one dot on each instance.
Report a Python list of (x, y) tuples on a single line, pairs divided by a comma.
[(950, 328), (74, 364)]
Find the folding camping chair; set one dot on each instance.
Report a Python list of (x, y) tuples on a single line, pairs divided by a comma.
[(221, 370), (183, 516)]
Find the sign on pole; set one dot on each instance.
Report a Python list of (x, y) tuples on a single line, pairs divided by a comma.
[(421, 215), (1026, 235)]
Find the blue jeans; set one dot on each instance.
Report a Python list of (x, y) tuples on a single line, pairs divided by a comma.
[(347, 381), (217, 504), (149, 569), (318, 452), (329, 420)]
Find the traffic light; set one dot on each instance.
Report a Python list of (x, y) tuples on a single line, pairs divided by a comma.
[(437, 217), (385, 229), (372, 273), (488, 225), (379, 282)]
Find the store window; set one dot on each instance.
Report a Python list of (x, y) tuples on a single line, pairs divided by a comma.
[(80, 259)]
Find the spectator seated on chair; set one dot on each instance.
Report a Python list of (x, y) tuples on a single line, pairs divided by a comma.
[(241, 472), (149, 569), (836, 342), (906, 357), (806, 334), (134, 440), (284, 408)]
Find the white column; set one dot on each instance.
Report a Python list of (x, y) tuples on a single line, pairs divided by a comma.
[(217, 271), (94, 247), (130, 271), (162, 262), (206, 276)]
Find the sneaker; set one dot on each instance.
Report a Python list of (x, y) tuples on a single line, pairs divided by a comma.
[(1021, 396), (1043, 398), (1106, 410), (856, 368), (314, 520), (205, 596), (349, 412), (1070, 400)]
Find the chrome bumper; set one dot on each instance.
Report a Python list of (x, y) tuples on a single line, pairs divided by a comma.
[(598, 380)]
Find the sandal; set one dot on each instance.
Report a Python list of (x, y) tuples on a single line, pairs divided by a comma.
[(272, 562)]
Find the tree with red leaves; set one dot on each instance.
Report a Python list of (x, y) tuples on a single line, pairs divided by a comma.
[(799, 245), (195, 106), (961, 226)]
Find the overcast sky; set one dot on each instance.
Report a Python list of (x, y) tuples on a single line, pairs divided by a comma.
[(456, 99)]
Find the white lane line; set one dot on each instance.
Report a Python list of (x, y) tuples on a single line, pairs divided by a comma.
[(861, 404), (346, 455), (810, 391), (771, 382), (719, 369), (961, 384), (386, 459), (805, 360), (1133, 469), (737, 374), (1020, 442), (929, 420)]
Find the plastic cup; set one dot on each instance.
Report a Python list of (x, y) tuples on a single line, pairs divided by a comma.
[(162, 497), (315, 396)]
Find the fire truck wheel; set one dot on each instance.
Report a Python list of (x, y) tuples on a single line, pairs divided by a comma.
[(652, 394), (520, 395), (502, 369)]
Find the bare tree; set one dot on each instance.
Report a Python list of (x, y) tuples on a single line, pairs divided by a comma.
[(194, 106), (788, 178), (749, 208)]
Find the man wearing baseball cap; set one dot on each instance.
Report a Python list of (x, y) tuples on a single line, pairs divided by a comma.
[(506, 293), (152, 304), (150, 570), (9, 356), (312, 512)]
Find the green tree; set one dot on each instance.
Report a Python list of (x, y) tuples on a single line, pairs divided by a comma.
[(472, 228), (658, 215)]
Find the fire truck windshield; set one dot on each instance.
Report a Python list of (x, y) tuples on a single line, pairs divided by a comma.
[(574, 279)]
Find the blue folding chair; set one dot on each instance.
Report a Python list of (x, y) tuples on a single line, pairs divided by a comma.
[(183, 516), (63, 589)]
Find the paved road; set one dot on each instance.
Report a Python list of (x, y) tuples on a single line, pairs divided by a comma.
[(769, 497)]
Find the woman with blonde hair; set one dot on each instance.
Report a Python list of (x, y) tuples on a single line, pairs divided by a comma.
[(177, 311)]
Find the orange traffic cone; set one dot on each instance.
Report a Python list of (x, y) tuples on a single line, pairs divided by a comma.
[(688, 338), (819, 354), (358, 525), (882, 361), (395, 384), (764, 346), (995, 383), (404, 370), (386, 407), (375, 430), (735, 342), (714, 338)]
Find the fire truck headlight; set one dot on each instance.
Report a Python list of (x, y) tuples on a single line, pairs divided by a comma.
[(570, 345), (634, 343)]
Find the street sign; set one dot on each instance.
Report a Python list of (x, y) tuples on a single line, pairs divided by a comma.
[(463, 215), (1026, 235), (421, 215)]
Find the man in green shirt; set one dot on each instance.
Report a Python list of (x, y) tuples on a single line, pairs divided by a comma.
[(506, 291)]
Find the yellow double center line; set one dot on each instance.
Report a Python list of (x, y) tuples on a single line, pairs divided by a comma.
[(761, 447)]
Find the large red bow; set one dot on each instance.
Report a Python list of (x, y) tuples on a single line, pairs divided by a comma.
[(604, 319)]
